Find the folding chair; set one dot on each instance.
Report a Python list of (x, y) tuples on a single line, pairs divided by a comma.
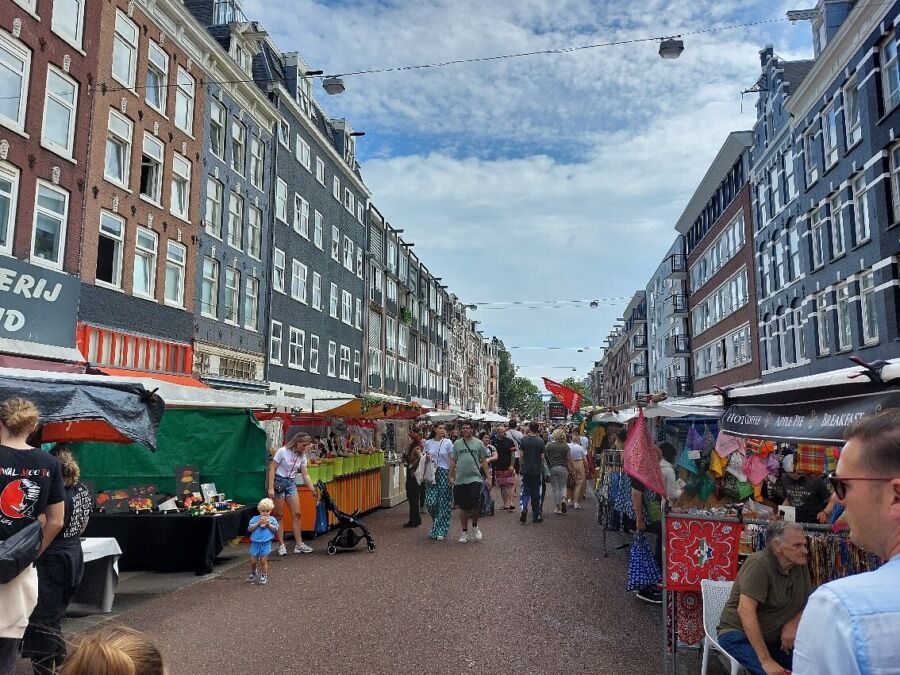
[(715, 595)]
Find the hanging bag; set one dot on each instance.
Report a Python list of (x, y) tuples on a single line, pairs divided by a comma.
[(642, 568), (19, 551), (321, 518)]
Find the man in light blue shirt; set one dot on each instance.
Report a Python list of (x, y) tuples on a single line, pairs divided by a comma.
[(852, 626)]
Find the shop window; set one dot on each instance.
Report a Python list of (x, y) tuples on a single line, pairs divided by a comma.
[(109, 250)]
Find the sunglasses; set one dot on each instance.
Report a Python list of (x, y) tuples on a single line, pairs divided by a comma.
[(839, 483)]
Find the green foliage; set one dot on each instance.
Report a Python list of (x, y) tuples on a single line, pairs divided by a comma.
[(524, 399), (506, 375)]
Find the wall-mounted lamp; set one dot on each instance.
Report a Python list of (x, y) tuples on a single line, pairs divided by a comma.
[(357, 134), (313, 72)]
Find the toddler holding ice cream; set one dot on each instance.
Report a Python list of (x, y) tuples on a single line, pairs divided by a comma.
[(262, 529)]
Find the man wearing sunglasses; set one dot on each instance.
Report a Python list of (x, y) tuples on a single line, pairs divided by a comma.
[(852, 625)]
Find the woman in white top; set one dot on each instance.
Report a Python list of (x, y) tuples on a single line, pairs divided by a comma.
[(282, 487), (575, 487), (439, 496)]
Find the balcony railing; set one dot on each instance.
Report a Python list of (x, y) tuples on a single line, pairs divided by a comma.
[(677, 268), (638, 369), (678, 303), (639, 342), (680, 386), (676, 345)]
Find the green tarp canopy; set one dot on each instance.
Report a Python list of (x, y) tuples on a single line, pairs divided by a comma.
[(229, 446)]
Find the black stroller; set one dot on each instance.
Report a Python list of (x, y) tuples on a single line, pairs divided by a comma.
[(346, 536)]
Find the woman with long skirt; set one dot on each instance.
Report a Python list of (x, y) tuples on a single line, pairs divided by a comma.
[(439, 496)]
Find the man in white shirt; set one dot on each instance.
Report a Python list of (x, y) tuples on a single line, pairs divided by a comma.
[(516, 437), (851, 625)]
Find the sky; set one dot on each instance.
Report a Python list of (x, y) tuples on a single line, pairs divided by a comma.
[(548, 177)]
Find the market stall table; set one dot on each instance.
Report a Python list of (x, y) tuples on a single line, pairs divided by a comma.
[(174, 542), (97, 590)]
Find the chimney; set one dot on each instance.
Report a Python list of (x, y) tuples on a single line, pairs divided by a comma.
[(765, 54)]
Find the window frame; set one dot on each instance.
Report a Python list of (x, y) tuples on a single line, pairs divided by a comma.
[(335, 243), (830, 145), (299, 280), (221, 124), (345, 351), (301, 216), (119, 38), (860, 208), (281, 200), (842, 307), (318, 230), (214, 228), (866, 314), (78, 39), (126, 152), (336, 188), (178, 158), (213, 281), (272, 340), (160, 168), (257, 163), (62, 218), (320, 170), (332, 358), (163, 71), (347, 307), (303, 153), (13, 176), (313, 353), (810, 168), (823, 330), (68, 149), (238, 140), (300, 345), (276, 254), (235, 220), (234, 291), (185, 94), (144, 252), (254, 232), (852, 130), (19, 52), (333, 301), (173, 264), (317, 291), (118, 255), (890, 65), (251, 304), (838, 241)]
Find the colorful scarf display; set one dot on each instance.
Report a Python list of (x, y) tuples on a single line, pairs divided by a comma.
[(700, 549)]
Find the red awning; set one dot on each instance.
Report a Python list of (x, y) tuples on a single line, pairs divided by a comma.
[(184, 380), (26, 363)]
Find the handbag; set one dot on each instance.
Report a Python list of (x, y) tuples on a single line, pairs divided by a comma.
[(428, 470), (642, 568), (546, 470), (321, 518), (19, 551), (419, 471)]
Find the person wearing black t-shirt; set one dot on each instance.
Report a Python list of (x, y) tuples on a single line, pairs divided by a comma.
[(59, 574), (807, 494), (504, 468), (31, 488)]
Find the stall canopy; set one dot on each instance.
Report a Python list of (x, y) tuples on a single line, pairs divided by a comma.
[(368, 408), (77, 407)]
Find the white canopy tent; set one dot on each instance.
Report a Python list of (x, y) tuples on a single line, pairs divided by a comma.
[(844, 376)]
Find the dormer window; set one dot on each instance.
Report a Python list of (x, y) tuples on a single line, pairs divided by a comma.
[(350, 145), (225, 11), (820, 36), (304, 93)]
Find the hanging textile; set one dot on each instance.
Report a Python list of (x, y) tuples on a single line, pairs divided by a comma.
[(717, 464), (832, 455), (709, 442), (700, 549), (727, 444), (642, 568), (685, 461), (640, 458), (755, 469), (810, 459), (688, 617), (694, 440)]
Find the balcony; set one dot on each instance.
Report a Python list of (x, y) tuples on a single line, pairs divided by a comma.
[(678, 304), (638, 369), (677, 345), (638, 342), (677, 266), (680, 386)]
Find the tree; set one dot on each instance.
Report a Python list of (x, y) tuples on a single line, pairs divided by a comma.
[(506, 374), (580, 387), (525, 399)]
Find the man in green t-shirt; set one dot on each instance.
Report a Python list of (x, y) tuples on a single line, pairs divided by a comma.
[(468, 470), (759, 622)]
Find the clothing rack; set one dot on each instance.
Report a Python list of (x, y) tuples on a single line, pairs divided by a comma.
[(609, 518)]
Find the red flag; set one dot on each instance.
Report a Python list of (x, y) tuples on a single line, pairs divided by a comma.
[(568, 397)]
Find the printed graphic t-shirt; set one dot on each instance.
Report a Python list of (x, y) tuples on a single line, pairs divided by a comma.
[(29, 481), (289, 462)]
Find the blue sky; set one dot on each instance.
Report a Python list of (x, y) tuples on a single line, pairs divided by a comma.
[(546, 177)]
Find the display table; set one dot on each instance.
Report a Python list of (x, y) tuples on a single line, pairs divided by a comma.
[(360, 490), (97, 590), (393, 485), (172, 542)]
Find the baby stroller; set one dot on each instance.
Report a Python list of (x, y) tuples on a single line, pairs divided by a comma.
[(346, 536)]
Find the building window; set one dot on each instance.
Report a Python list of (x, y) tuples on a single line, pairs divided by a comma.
[(346, 307), (298, 281), (317, 291), (184, 101), (15, 63), (809, 162), (790, 183), (332, 359), (251, 303), (59, 111), (109, 250), (213, 222), (390, 334), (257, 153), (345, 363), (118, 149), (869, 310), (181, 186), (852, 116), (50, 217), (209, 288), (333, 301), (349, 200), (845, 340), (822, 324), (281, 200), (356, 365), (837, 225), (303, 154), (314, 353), (348, 253), (319, 226), (895, 182), (176, 258), (357, 317), (278, 265), (143, 280), (238, 147), (830, 136), (124, 63), (9, 190), (818, 240), (242, 58), (296, 348), (68, 20), (232, 295), (275, 343), (157, 77), (794, 252), (778, 267), (861, 231), (336, 188), (254, 233), (320, 170), (359, 262), (284, 133), (335, 243), (217, 128), (359, 211), (301, 216), (890, 75), (236, 221), (765, 271), (152, 169)]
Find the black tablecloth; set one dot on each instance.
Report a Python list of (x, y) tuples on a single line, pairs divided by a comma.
[(173, 542)]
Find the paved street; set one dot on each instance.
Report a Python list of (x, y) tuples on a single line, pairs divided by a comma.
[(529, 598)]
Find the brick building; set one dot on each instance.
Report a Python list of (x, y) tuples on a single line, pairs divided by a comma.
[(623, 381)]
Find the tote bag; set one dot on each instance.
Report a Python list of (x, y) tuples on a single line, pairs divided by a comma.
[(642, 568)]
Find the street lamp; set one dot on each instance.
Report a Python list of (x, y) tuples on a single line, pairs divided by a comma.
[(671, 48), (334, 84)]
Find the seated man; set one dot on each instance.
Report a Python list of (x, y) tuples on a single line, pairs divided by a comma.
[(760, 619)]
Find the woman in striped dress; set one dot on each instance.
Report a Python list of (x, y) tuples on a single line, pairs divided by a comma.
[(439, 495)]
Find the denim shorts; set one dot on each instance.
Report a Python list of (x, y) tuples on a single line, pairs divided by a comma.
[(260, 549), (285, 487)]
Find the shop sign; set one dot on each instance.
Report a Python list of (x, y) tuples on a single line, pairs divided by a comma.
[(36, 304), (821, 420), (557, 411)]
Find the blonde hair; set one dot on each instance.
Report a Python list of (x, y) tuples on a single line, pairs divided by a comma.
[(558, 436), (266, 504), (19, 415), (296, 439), (71, 472), (114, 650)]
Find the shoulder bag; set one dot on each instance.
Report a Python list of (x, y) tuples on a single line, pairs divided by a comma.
[(474, 458), (19, 551)]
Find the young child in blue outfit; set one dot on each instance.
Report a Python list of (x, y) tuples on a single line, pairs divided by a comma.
[(262, 529)]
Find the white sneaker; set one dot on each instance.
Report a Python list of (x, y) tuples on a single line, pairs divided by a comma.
[(464, 538), (282, 550), (476, 534), (302, 548), (576, 505)]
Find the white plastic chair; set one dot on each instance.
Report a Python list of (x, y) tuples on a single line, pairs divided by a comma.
[(715, 595)]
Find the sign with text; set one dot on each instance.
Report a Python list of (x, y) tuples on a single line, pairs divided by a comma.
[(557, 411), (818, 421), (37, 304)]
